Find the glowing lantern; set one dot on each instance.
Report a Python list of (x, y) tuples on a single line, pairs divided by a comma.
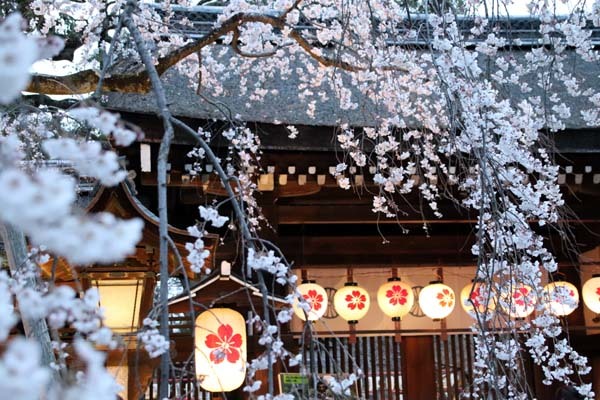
[(220, 350), (437, 300), (562, 298), (521, 302), (395, 298), (591, 294), (476, 298), (351, 302), (316, 297)]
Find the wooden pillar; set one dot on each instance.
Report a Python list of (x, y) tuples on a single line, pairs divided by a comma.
[(418, 365)]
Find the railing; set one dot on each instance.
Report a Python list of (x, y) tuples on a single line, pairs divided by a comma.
[(181, 324), (182, 385), (453, 363), (378, 357)]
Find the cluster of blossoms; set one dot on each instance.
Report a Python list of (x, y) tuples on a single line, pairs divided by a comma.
[(197, 253), (17, 53), (268, 262), (154, 343), (42, 206), (41, 200), (89, 159), (106, 123), (63, 308)]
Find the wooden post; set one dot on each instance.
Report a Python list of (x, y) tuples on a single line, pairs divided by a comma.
[(397, 330), (352, 328)]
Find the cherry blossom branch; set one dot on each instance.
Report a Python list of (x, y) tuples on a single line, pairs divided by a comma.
[(86, 81)]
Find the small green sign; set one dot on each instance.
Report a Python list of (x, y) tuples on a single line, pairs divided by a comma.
[(294, 384)]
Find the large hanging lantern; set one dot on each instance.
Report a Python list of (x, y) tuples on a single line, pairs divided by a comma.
[(220, 341), (437, 300), (395, 298), (521, 302), (351, 302), (591, 294), (476, 298), (316, 297), (562, 298)]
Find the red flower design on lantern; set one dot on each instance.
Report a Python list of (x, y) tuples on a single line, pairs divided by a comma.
[(225, 343), (397, 295), (476, 297), (598, 292), (522, 298), (314, 298), (446, 298), (356, 300)]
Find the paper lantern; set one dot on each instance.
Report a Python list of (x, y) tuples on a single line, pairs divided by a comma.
[(437, 300), (591, 294), (562, 298), (220, 350), (521, 302), (395, 298), (316, 297), (477, 298), (351, 302)]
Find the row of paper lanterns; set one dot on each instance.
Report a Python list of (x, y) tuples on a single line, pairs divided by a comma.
[(437, 300), (220, 333)]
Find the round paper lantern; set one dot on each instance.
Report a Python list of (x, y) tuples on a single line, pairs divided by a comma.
[(591, 294), (561, 298), (521, 302), (316, 297), (437, 300), (220, 350), (476, 297), (351, 302), (395, 298)]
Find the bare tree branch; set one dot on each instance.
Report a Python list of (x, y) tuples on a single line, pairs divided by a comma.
[(163, 156)]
